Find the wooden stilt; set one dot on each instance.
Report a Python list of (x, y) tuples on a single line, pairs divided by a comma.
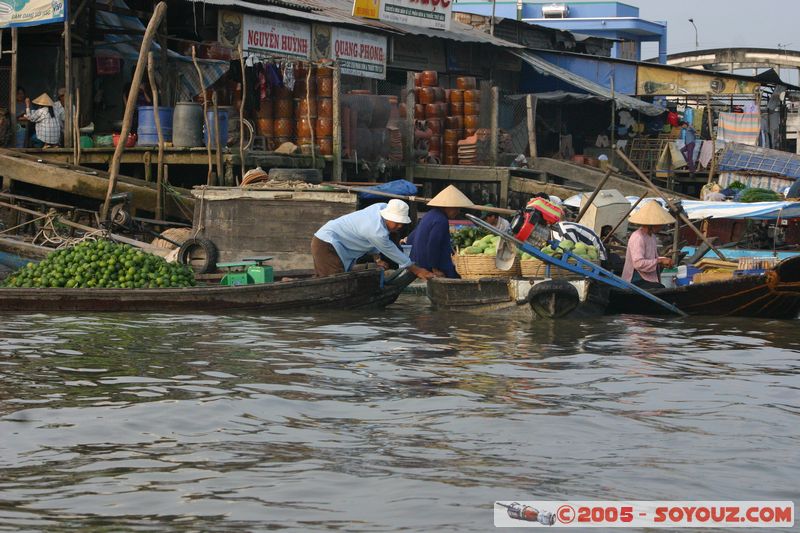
[(241, 111), (210, 177), (337, 126), (217, 139), (159, 210), (68, 118)]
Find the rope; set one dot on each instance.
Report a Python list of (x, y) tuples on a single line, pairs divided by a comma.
[(200, 224), (25, 223)]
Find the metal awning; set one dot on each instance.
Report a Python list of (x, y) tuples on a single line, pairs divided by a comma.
[(549, 69)]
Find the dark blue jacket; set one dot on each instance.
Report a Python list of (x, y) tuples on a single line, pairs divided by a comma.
[(431, 246)]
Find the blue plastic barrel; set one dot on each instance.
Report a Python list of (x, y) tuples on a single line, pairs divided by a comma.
[(223, 129), (148, 136)]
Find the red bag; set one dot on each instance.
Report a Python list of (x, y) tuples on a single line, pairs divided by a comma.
[(550, 212)]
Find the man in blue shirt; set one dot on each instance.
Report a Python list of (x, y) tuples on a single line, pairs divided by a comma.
[(690, 136), (337, 245), (430, 242)]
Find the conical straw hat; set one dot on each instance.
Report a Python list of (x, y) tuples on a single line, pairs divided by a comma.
[(450, 197), (651, 214), (44, 99)]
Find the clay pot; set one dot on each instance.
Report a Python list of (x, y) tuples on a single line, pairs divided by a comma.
[(427, 95), (450, 148), (471, 122), (456, 96), (299, 90), (283, 108), (453, 136), (454, 122), (435, 144), (325, 72), (433, 111), (417, 79), (402, 111), (472, 95), (304, 127), (283, 127), (419, 111), (324, 127), (324, 87), (435, 124), (456, 109), (429, 78), (264, 127), (450, 159), (325, 107), (472, 108), (303, 107), (466, 82), (470, 132), (439, 95), (265, 109), (281, 93), (326, 146)]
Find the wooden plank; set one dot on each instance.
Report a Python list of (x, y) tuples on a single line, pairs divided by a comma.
[(461, 173), (301, 195), (529, 186)]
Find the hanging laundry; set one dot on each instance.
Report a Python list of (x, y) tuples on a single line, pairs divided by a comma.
[(750, 107), (739, 127), (688, 115), (706, 153), (602, 141), (626, 119), (698, 120), (672, 118), (288, 76), (273, 74), (262, 84)]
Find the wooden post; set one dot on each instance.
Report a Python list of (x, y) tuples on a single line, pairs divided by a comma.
[(532, 100), (410, 101), (217, 138), (67, 78), (675, 242), (12, 102), (613, 120), (670, 203), (138, 73), (493, 140), (159, 210), (76, 125), (210, 176), (337, 125), (165, 86), (710, 115), (241, 111), (308, 118)]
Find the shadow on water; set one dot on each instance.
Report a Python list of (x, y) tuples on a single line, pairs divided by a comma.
[(379, 421)]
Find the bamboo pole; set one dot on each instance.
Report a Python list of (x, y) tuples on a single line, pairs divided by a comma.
[(217, 138), (138, 73), (210, 176), (710, 115), (410, 129), (241, 111), (159, 211), (337, 125), (594, 194), (670, 203), (308, 117), (495, 117), (532, 101), (76, 126), (68, 141), (12, 101)]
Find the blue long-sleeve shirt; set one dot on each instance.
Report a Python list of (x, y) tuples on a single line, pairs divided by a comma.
[(359, 233), (431, 245)]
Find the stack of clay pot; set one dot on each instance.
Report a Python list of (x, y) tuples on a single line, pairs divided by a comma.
[(313, 109), (431, 107), (283, 121)]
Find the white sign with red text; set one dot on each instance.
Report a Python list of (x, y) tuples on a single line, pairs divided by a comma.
[(426, 13), (281, 37), (360, 54)]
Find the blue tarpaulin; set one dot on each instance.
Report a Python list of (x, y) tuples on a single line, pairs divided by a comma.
[(756, 159), (398, 187)]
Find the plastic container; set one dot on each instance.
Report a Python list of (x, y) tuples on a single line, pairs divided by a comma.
[(668, 277), (187, 125), (148, 134), (223, 129), (130, 142), (86, 142)]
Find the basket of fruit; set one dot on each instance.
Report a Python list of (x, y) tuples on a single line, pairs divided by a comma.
[(532, 267), (478, 260)]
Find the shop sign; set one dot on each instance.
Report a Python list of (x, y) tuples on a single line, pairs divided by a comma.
[(434, 14), (16, 13), (358, 53), (658, 81), (278, 37)]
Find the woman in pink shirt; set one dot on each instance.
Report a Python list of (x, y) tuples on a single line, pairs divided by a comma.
[(642, 261)]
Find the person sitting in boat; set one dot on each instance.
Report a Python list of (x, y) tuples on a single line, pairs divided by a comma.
[(642, 261), (431, 247), (496, 220), (337, 245)]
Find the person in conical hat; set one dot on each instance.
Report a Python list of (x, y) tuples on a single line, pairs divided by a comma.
[(430, 242), (48, 127), (337, 245), (642, 262)]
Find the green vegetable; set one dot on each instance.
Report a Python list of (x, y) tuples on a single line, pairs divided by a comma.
[(102, 264), (759, 195), (566, 245)]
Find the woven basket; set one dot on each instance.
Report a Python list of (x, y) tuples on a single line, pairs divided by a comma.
[(482, 266), (534, 268), (175, 234)]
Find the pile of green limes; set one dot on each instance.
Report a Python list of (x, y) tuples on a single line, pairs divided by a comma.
[(102, 264)]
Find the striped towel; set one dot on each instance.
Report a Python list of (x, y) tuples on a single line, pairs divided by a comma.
[(739, 127)]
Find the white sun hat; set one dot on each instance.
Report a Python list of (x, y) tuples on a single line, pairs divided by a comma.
[(396, 211)]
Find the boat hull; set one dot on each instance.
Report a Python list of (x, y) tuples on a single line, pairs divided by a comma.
[(349, 290)]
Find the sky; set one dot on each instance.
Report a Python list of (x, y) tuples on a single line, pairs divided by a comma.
[(723, 23)]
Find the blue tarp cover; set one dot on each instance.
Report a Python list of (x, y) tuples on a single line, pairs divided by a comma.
[(399, 187), (753, 158)]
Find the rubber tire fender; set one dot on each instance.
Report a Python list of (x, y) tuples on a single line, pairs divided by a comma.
[(210, 254)]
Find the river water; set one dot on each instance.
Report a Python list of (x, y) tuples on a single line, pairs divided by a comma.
[(406, 419)]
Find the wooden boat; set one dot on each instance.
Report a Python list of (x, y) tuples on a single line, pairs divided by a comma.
[(348, 290), (534, 298), (773, 294)]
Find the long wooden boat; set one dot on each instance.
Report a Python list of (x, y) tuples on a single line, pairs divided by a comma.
[(342, 291), (534, 298), (773, 294)]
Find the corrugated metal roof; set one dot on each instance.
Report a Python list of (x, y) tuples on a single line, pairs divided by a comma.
[(340, 12), (549, 69)]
